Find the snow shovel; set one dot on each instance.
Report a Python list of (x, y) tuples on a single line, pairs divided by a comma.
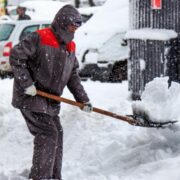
[(131, 119)]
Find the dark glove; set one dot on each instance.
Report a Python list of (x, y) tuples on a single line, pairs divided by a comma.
[(87, 107)]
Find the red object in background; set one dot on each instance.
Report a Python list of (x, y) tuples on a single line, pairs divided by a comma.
[(7, 49), (156, 4)]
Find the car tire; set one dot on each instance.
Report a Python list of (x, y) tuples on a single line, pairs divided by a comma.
[(4, 75), (119, 71)]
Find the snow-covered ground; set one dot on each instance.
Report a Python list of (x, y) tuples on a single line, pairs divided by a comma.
[(96, 147)]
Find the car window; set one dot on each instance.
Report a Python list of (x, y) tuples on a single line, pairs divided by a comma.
[(85, 17), (45, 26), (13, 12), (5, 31), (28, 30)]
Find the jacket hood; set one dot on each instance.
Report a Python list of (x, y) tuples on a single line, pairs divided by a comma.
[(67, 15)]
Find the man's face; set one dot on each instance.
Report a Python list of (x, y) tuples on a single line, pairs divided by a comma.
[(20, 11), (72, 28)]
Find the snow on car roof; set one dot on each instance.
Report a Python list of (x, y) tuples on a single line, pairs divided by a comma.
[(89, 10), (151, 34)]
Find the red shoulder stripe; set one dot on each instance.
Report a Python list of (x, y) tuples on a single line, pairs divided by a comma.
[(71, 46), (47, 37)]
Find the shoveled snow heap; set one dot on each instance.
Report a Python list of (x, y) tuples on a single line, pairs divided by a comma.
[(159, 102), (151, 34)]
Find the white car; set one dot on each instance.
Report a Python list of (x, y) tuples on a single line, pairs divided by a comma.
[(11, 33), (5, 18)]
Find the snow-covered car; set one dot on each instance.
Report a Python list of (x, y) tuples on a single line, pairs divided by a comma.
[(101, 49), (11, 33)]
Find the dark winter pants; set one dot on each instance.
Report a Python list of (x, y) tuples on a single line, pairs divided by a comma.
[(48, 145)]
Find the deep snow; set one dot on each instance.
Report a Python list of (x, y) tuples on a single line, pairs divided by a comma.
[(95, 147), (159, 102)]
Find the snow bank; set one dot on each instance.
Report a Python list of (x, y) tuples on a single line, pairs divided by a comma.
[(151, 34), (159, 103)]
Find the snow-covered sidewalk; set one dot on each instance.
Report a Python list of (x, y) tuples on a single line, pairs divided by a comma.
[(95, 147)]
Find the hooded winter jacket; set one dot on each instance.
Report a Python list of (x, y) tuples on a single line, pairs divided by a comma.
[(46, 58)]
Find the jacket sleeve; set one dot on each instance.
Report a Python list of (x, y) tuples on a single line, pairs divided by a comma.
[(23, 52), (75, 86)]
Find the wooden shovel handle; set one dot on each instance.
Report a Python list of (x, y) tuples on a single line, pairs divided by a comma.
[(81, 105)]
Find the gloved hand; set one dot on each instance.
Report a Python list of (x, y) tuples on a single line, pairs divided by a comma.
[(31, 90), (87, 107)]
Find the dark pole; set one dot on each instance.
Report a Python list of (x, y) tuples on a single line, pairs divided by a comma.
[(77, 3), (5, 3), (91, 3), (5, 7)]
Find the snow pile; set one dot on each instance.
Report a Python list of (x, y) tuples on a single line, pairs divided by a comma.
[(159, 103), (151, 34)]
